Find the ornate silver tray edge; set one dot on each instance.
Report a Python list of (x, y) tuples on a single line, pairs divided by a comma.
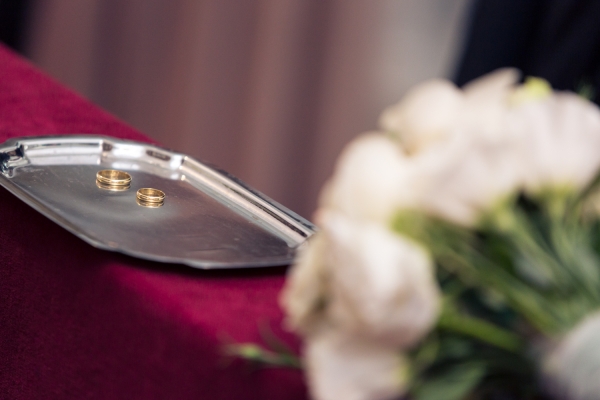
[(229, 190)]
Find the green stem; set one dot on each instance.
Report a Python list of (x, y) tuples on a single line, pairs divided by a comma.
[(482, 272), (256, 353), (484, 331)]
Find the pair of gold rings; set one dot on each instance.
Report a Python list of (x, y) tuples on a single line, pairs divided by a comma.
[(114, 180)]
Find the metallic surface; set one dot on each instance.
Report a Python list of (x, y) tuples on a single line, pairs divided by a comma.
[(149, 204), (117, 188), (211, 220)]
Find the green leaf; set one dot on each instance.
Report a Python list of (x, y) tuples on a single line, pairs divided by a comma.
[(453, 384)]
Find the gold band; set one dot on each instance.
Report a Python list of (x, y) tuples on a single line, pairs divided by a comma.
[(149, 195), (113, 177)]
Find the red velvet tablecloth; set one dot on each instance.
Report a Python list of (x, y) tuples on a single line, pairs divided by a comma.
[(78, 322)]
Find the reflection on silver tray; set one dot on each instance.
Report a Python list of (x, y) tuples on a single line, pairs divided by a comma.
[(210, 219)]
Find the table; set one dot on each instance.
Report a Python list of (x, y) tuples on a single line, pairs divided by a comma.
[(78, 322)]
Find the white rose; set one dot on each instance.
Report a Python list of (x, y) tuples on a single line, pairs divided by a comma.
[(560, 141), (342, 366), (359, 293), (437, 109), (371, 179), (424, 115), (466, 176), (487, 101), (572, 368), (305, 292), (382, 285)]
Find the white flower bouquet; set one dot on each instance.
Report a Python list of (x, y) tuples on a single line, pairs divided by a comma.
[(458, 255)]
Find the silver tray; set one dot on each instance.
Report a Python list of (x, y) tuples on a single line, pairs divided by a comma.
[(209, 219)]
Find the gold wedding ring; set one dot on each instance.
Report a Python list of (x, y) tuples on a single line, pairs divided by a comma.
[(112, 179), (149, 197)]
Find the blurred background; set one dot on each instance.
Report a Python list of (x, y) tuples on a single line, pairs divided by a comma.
[(269, 90)]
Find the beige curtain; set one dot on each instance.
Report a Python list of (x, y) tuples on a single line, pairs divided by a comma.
[(269, 90)]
